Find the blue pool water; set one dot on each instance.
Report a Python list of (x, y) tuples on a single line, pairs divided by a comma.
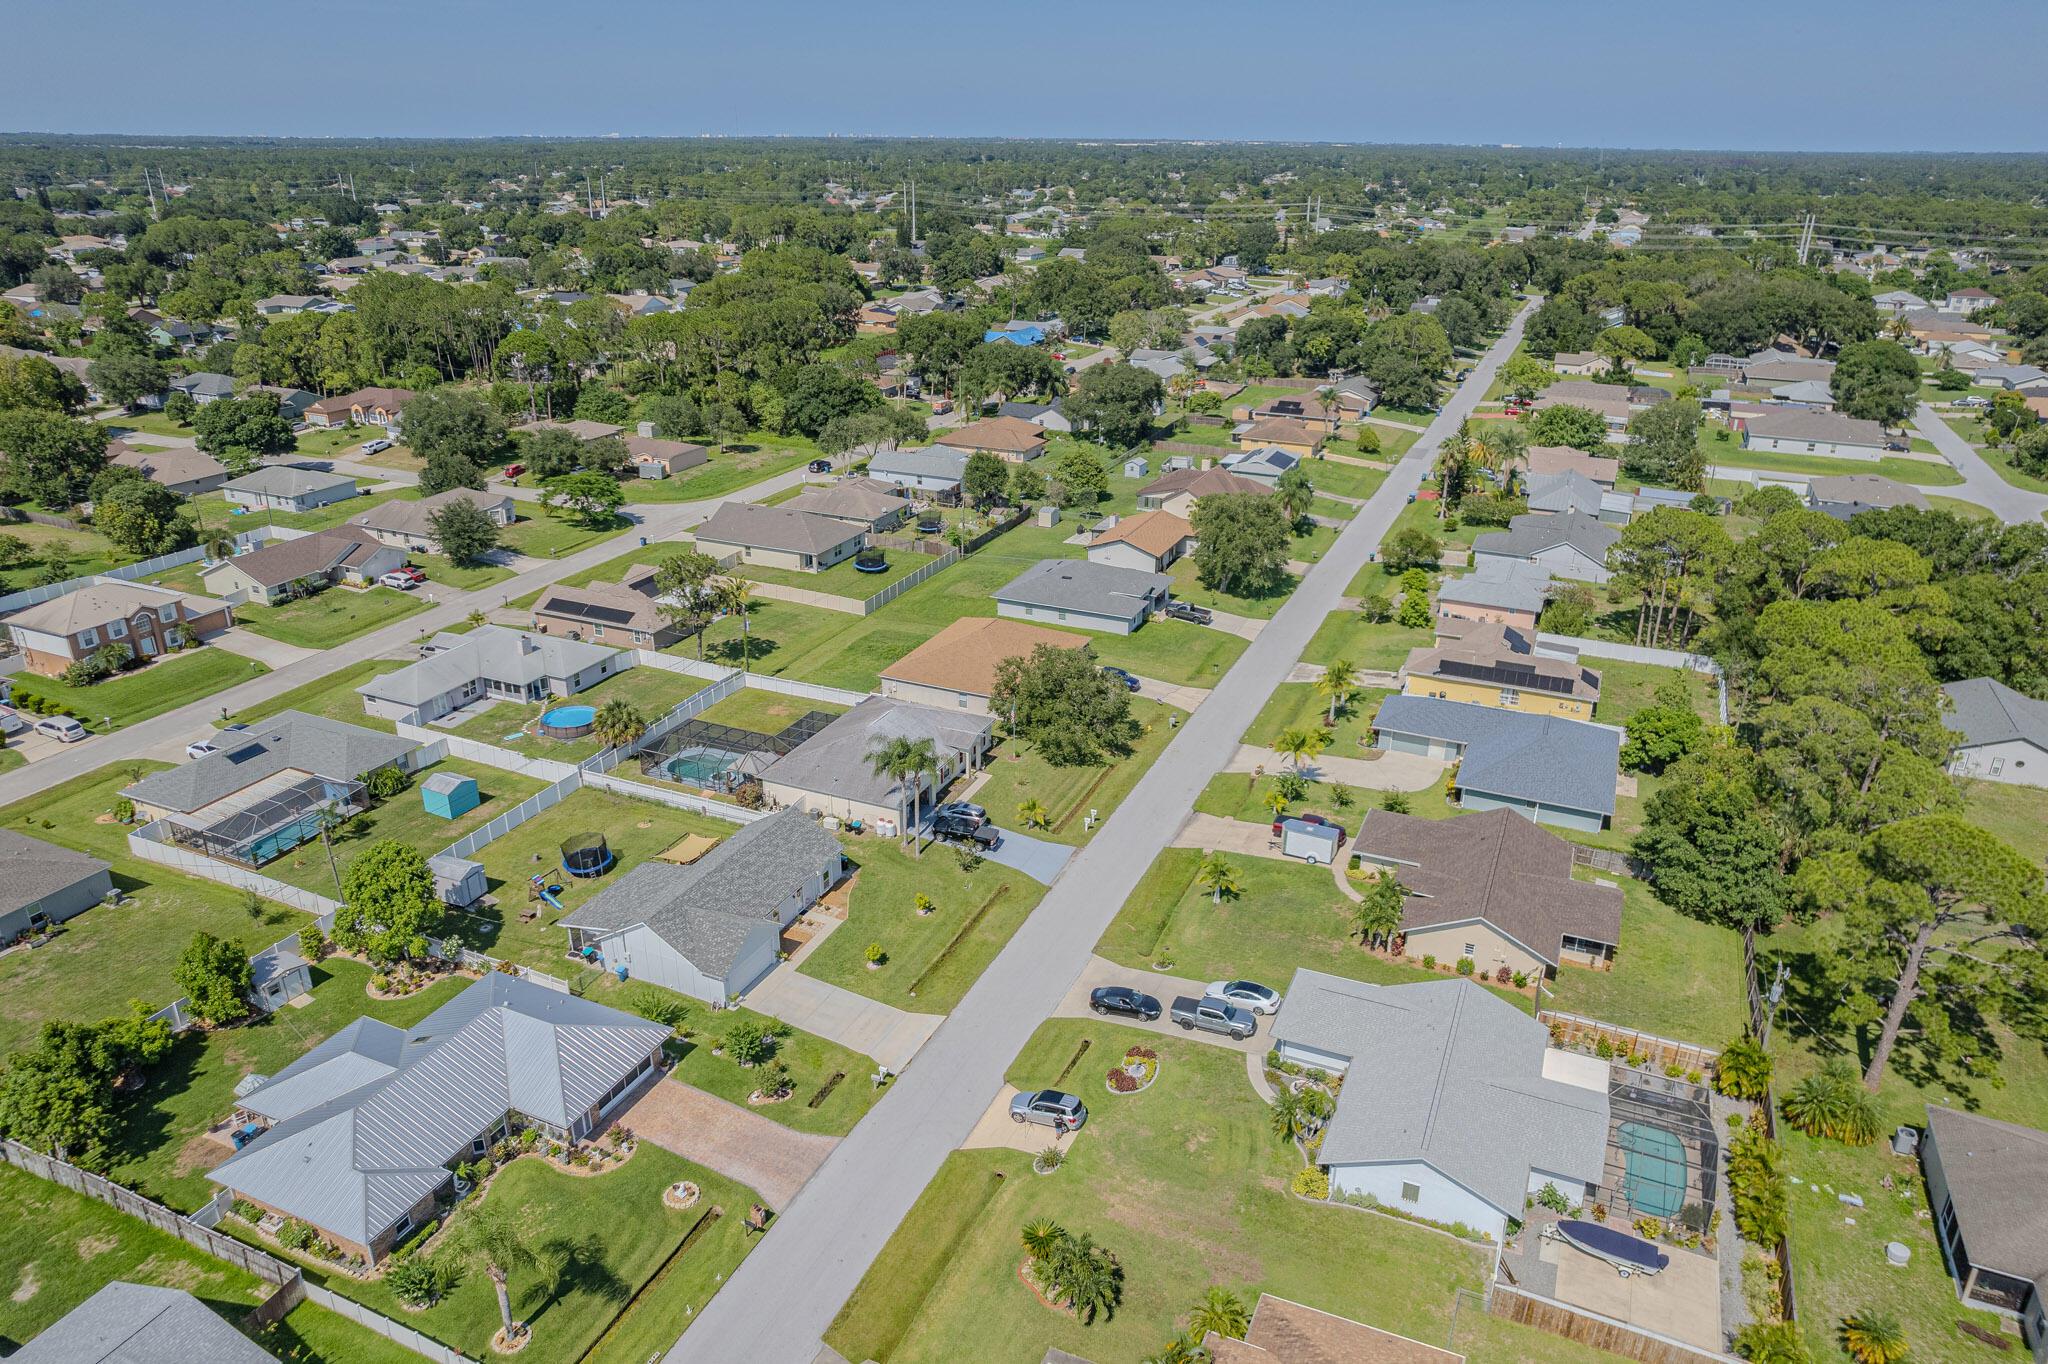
[(569, 717)]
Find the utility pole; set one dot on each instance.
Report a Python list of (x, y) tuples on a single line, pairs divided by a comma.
[(1806, 238)]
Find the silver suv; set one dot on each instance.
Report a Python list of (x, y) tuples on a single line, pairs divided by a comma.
[(1049, 1108)]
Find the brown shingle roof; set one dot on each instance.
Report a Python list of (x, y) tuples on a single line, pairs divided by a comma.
[(168, 467), (777, 528), (1560, 459), (288, 560), (1200, 482), (963, 656), (390, 399), (1156, 532), (1010, 434), (1280, 431)]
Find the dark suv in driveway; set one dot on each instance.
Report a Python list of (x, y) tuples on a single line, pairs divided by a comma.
[(1127, 1000), (960, 828), (1189, 612)]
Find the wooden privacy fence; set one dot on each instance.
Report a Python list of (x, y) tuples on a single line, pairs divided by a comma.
[(1589, 1328), (1574, 1030)]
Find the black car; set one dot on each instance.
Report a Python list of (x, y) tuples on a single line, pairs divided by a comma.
[(820, 466), (1126, 1000), (1127, 681), (962, 829), (1189, 612)]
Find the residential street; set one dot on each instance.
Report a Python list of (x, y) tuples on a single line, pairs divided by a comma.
[(779, 1302), (1982, 484)]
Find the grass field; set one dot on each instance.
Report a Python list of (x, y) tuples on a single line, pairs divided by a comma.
[(333, 696), (176, 680), (1926, 473), (1188, 587), (1295, 705), (1345, 480), (216, 511), (1018, 773), (1626, 688), (550, 535), (727, 472), (764, 711), (842, 579), (1347, 635), (1673, 976), (654, 692), (812, 1063), (82, 552), (2017, 814), (332, 617)]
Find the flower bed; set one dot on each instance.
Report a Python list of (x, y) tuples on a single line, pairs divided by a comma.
[(681, 1194), (1137, 1071)]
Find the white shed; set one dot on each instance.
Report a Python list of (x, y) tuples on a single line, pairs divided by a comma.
[(1316, 843)]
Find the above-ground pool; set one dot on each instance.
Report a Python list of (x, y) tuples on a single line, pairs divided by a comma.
[(568, 722), (1654, 1169)]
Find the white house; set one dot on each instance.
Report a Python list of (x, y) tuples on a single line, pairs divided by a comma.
[(490, 661), (2000, 734), (930, 470), (1093, 596), (1794, 431), (1566, 545)]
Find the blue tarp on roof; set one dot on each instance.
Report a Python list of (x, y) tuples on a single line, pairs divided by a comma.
[(1016, 333)]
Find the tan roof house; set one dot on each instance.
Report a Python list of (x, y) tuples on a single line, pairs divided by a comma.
[(184, 471), (1563, 459), (776, 537), (1297, 438), (285, 569), (956, 668), (654, 457), (149, 621), (1178, 490), (1151, 541), (582, 429), (409, 524), (364, 407), (870, 503), (1010, 439), (1579, 362), (622, 614)]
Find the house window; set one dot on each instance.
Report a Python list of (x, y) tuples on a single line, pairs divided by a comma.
[(117, 629), (401, 1227), (1411, 1193), (1471, 949), (1509, 696), (88, 639), (480, 1145), (167, 614)]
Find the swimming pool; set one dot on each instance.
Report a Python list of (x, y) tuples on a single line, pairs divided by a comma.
[(568, 722), (700, 766), (1655, 1168)]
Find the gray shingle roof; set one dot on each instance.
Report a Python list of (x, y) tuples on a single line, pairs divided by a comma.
[(1447, 1074), (1819, 427), (932, 463), (31, 869), (1524, 591), (1985, 711), (776, 528), (1995, 1172), (498, 653), (132, 1323), (1081, 585), (1539, 758), (365, 1150), (707, 909), (281, 480), (834, 762), (415, 517), (288, 741), (1569, 491), (1859, 491), (1532, 534)]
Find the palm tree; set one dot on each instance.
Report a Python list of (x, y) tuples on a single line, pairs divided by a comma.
[(1179, 1350), (1277, 801), (736, 595), (1301, 744), (1453, 469), (1873, 1339), (1221, 1311), (1219, 877), (220, 545), (1032, 814), (1335, 686), (1087, 1276), (1743, 1069), (902, 761), (1041, 1236), (618, 723), (1377, 918), (1289, 1116), (492, 1236)]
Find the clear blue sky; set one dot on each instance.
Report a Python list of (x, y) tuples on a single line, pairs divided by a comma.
[(1752, 74)]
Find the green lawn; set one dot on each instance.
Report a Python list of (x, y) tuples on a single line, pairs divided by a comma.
[(83, 551), (812, 1063), (176, 680), (404, 817), (1349, 636), (213, 509), (1188, 587), (931, 960), (1345, 480), (332, 617), (764, 711), (1729, 453), (842, 579), (726, 473), (1673, 976), (1295, 705), (614, 570), (333, 696), (1626, 688), (2017, 814), (551, 535), (654, 692), (1018, 773), (1186, 1184)]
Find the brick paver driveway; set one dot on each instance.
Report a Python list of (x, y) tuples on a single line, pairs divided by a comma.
[(756, 1151)]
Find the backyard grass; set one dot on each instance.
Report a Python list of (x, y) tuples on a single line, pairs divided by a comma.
[(1626, 688), (1018, 773), (83, 552), (332, 617), (404, 818), (728, 472), (333, 696), (174, 681), (1673, 976), (764, 711), (930, 961), (215, 511), (1186, 1184), (1349, 636), (842, 579), (551, 535), (654, 692), (2017, 814)]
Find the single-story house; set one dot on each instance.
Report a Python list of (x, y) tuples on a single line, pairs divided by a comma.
[(871, 504), (363, 1129), (2013, 377), (42, 884), (934, 470), (291, 402), (1551, 770), (1813, 394), (1015, 334), (1461, 1119), (184, 470), (1571, 545), (1046, 415), (1579, 362), (1615, 412), (1574, 494), (490, 661), (1843, 495), (1493, 888), (956, 668), (1579, 392), (1150, 541), (1993, 1232), (623, 614), (711, 929), (1501, 665), (285, 305), (1898, 302), (133, 1323), (1796, 432), (1297, 438), (204, 388), (149, 621), (255, 797), (582, 428), (284, 569), (1261, 464), (1177, 490), (1166, 365), (279, 487), (1355, 396), (1284, 1332), (408, 524), (1563, 459), (1513, 596), (364, 407), (831, 773), (776, 537), (1768, 367), (1305, 408), (1007, 438), (1998, 732), (1094, 596), (654, 457)]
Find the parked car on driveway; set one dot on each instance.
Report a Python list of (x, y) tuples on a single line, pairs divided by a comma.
[(1127, 1000), (417, 574), (1049, 1108), (965, 809), (1260, 999), (62, 728), (402, 581), (819, 466), (1127, 681), (376, 447), (1189, 612), (1214, 1015), (199, 748), (962, 829)]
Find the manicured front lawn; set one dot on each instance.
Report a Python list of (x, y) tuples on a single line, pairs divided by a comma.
[(1349, 636), (333, 696), (1927, 473), (1673, 976), (1188, 587), (1345, 480), (549, 535), (1018, 773), (1295, 705), (931, 960), (332, 617), (812, 1062), (654, 692), (174, 681), (1185, 1183), (1172, 651)]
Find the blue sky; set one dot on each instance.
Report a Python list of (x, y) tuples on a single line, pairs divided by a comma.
[(1782, 75)]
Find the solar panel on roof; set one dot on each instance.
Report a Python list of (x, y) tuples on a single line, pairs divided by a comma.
[(610, 615), (1506, 675)]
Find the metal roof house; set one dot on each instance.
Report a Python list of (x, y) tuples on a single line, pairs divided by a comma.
[(1984, 1180), (1079, 592), (1460, 1121), (43, 884), (2000, 734), (1551, 770), (363, 1128), (491, 661), (711, 928), (132, 1323)]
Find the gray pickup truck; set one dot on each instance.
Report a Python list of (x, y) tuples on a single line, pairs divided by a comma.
[(1214, 1015)]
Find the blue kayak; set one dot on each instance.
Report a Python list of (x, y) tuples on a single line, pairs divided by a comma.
[(1629, 1254)]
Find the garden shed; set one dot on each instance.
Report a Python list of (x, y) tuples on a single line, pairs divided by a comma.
[(457, 880), (449, 794)]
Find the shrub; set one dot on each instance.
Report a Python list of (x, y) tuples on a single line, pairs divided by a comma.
[(1464, 966), (1429, 961), (746, 1043), (1050, 1159), (1503, 975), (416, 1283), (874, 954), (417, 1239), (296, 1235), (1743, 1070), (1521, 980), (1873, 1338), (1376, 607), (1312, 1181), (1775, 1342), (1551, 1197), (124, 810), (248, 1211), (387, 781), (1756, 1186), (1832, 1103), (1672, 1070), (1604, 1049)]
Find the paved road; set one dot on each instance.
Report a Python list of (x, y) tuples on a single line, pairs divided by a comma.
[(782, 1298), (170, 732), (1982, 484)]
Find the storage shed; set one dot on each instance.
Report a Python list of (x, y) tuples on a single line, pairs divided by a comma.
[(457, 880), (449, 794)]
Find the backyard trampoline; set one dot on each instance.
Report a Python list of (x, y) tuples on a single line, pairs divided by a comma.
[(586, 855), (1653, 1168), (568, 722)]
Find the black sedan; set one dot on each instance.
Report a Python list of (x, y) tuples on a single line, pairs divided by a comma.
[(1126, 1000), (1128, 681)]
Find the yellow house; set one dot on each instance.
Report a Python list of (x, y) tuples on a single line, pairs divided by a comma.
[(1295, 437), (1497, 665)]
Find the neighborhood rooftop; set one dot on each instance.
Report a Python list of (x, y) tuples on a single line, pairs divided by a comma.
[(290, 741)]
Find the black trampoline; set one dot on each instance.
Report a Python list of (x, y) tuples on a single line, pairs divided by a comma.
[(586, 855)]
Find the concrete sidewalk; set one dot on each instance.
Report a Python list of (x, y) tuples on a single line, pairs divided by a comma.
[(868, 1026)]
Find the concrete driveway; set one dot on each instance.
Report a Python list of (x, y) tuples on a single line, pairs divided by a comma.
[(773, 1160), (270, 653), (1038, 858), (1214, 833), (1171, 693), (869, 1026), (1100, 971), (1389, 771), (997, 1129)]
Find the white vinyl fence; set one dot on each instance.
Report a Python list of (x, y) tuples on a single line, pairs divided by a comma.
[(689, 708), (246, 540), (902, 585), (152, 843), (675, 800), (1639, 653), (440, 744), (838, 696), (396, 1332), (547, 798)]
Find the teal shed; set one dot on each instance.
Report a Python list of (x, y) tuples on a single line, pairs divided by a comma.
[(449, 794)]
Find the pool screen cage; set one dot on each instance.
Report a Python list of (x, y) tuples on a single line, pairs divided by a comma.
[(272, 825), (1654, 1124), (750, 750)]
